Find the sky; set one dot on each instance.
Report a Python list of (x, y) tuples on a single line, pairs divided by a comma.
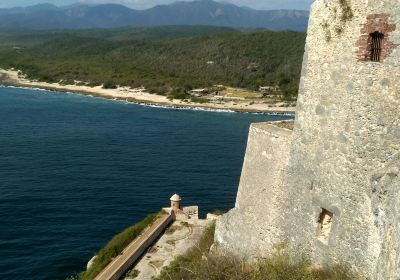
[(144, 4)]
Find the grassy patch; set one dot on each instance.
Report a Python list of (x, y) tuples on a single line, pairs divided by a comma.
[(219, 212), (116, 246), (199, 264), (134, 273), (199, 100), (240, 93)]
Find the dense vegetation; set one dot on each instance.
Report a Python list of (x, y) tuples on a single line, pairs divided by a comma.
[(115, 247), (163, 59), (199, 264)]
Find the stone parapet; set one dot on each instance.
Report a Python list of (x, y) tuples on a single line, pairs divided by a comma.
[(240, 230)]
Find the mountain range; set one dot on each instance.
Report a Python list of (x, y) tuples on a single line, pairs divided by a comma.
[(202, 12)]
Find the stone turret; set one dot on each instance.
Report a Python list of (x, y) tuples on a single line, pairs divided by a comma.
[(331, 186), (175, 203)]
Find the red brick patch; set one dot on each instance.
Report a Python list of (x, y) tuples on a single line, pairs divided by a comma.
[(375, 23)]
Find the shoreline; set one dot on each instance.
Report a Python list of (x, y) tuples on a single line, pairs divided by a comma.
[(10, 78)]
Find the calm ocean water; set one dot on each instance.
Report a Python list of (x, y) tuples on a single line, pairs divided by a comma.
[(76, 170)]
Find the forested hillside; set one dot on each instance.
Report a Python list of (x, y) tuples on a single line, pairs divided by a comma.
[(162, 59)]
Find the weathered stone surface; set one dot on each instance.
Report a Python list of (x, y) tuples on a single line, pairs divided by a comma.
[(342, 159), (251, 228)]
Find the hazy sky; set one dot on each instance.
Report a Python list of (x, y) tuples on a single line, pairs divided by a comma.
[(143, 4)]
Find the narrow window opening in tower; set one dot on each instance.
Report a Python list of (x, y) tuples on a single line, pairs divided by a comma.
[(376, 40), (325, 225)]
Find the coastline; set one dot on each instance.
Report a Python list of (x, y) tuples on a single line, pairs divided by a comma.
[(10, 78)]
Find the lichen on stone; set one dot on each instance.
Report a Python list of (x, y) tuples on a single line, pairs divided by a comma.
[(341, 13)]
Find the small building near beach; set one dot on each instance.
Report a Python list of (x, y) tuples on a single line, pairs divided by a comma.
[(269, 89), (199, 92)]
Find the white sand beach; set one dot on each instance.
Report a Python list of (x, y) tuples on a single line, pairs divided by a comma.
[(11, 78)]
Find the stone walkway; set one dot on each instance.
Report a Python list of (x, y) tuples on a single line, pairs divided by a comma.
[(130, 253), (182, 235)]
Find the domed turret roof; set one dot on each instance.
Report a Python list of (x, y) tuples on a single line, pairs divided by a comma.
[(175, 197)]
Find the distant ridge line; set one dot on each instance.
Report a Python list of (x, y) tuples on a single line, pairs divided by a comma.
[(205, 12)]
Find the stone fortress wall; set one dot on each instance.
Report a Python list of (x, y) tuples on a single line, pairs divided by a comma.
[(331, 187), (254, 223)]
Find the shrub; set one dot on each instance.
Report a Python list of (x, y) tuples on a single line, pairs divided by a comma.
[(199, 264), (109, 85), (134, 273), (93, 84), (178, 94), (67, 82)]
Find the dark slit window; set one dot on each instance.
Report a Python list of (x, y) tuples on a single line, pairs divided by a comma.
[(376, 46), (325, 225)]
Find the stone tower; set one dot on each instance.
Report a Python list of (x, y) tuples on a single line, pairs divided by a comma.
[(332, 185), (175, 202)]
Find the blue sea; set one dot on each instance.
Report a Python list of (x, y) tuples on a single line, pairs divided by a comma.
[(76, 170)]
